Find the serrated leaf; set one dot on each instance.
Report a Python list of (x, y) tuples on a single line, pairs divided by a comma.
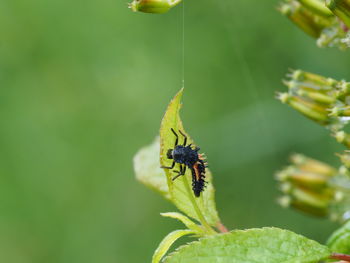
[(340, 239), (265, 245), (185, 220), (180, 189), (148, 171), (167, 242)]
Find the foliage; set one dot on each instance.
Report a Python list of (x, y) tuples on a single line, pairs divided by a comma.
[(263, 245), (266, 245), (340, 240), (309, 185)]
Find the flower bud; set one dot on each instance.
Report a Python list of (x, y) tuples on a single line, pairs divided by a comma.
[(340, 206), (318, 21), (306, 173), (317, 96), (310, 109), (321, 99), (317, 82), (343, 90), (310, 165), (346, 39), (317, 6), (341, 8), (333, 36), (306, 185), (342, 137), (306, 202), (153, 6), (310, 202), (305, 19), (340, 111), (345, 159), (303, 179)]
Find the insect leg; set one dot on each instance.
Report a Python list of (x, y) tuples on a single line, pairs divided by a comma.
[(185, 140), (169, 167), (179, 173), (177, 137), (183, 169)]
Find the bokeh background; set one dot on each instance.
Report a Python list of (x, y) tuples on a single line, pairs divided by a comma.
[(84, 85)]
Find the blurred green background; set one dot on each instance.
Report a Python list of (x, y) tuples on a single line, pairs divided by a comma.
[(84, 85)]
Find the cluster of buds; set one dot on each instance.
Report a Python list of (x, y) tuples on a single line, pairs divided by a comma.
[(153, 6), (316, 188), (327, 22), (321, 99)]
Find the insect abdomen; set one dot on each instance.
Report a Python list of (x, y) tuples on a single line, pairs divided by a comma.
[(198, 176)]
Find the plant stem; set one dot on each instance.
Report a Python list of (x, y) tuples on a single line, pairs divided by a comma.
[(222, 228), (196, 208), (339, 256)]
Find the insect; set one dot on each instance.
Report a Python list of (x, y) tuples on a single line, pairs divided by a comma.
[(186, 156)]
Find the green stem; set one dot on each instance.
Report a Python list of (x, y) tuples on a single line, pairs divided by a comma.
[(196, 208), (317, 7)]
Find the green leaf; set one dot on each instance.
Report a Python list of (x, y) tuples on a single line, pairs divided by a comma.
[(200, 208), (340, 239), (167, 242), (265, 245), (148, 171), (186, 221)]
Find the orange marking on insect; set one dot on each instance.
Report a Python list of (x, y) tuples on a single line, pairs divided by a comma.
[(196, 171), (201, 156)]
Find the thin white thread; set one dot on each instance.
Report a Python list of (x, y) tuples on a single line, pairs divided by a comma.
[(183, 44)]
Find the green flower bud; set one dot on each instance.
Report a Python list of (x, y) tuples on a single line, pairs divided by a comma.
[(314, 81), (317, 6), (306, 202), (346, 40), (345, 159), (308, 199), (153, 6), (340, 206), (307, 164), (318, 21), (306, 185), (343, 90), (310, 109), (333, 36), (340, 111), (284, 201), (317, 96), (305, 19), (309, 180), (341, 8), (305, 173), (342, 137)]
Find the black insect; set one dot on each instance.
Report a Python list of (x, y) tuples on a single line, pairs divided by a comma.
[(186, 156)]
